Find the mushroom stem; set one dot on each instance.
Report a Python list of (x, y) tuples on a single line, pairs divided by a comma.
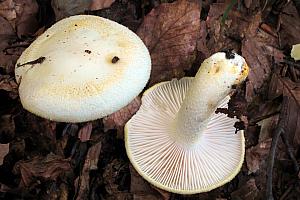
[(212, 83)]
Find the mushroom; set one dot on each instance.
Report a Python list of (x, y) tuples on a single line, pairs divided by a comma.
[(295, 53), (177, 142), (82, 68)]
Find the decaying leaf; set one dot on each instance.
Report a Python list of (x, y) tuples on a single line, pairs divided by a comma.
[(100, 4), (90, 163), (170, 32), (84, 133), (142, 189), (249, 191), (289, 26), (114, 177), (224, 36), (45, 168), (286, 87), (255, 156), (7, 33), (4, 149), (7, 36), (7, 83), (118, 119), (66, 8), (26, 21), (7, 128), (258, 48), (21, 14), (7, 9)]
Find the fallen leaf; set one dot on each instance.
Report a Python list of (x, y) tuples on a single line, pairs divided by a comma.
[(26, 21), (201, 42), (7, 83), (118, 119), (224, 36), (7, 128), (84, 133), (170, 32), (4, 188), (141, 189), (286, 87), (7, 33), (256, 156), (45, 168), (90, 163), (100, 4), (258, 48), (289, 26), (7, 9), (115, 176), (249, 191), (4, 149), (66, 8), (7, 36)]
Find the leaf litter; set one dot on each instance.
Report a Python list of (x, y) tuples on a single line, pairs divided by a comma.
[(40, 159)]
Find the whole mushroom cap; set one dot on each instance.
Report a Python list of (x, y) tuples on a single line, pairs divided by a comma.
[(82, 68), (177, 141)]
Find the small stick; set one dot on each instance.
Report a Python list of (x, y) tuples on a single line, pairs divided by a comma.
[(278, 131), (290, 149), (269, 193)]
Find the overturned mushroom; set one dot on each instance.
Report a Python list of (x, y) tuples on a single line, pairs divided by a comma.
[(82, 68), (177, 142)]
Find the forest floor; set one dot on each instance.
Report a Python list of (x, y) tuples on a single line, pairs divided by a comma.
[(42, 159)]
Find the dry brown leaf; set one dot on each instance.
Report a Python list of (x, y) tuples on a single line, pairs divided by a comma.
[(21, 14), (7, 83), (219, 33), (114, 177), (26, 21), (118, 119), (100, 4), (141, 189), (7, 9), (258, 48), (170, 32), (7, 33), (90, 163), (201, 42), (7, 36), (85, 132), (7, 128), (284, 86), (249, 191), (289, 26), (45, 168), (66, 8), (4, 149), (257, 155)]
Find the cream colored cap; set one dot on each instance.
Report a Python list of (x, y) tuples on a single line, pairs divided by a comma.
[(82, 68)]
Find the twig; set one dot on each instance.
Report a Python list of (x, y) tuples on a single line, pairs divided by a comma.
[(260, 118), (269, 193), (278, 131), (286, 192), (290, 149), (293, 63)]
